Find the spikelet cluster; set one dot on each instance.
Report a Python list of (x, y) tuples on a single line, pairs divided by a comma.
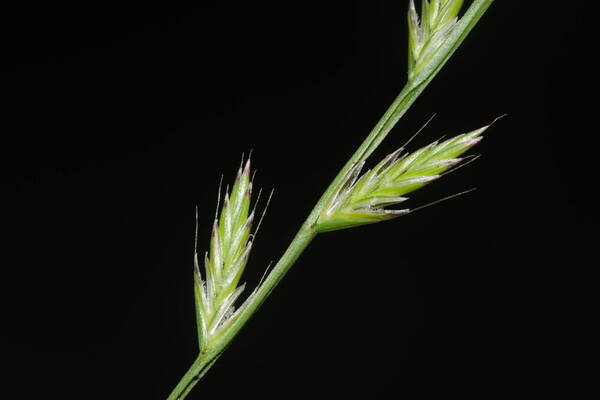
[(230, 245), (427, 35), (361, 199)]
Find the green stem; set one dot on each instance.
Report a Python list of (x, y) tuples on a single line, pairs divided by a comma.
[(306, 234), (200, 366)]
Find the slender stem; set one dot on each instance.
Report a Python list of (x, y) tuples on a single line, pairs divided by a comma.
[(200, 366), (306, 234)]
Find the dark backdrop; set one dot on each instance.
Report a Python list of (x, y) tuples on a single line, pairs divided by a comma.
[(121, 119)]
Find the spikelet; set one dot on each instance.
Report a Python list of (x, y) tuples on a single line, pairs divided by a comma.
[(428, 35), (230, 246), (362, 199)]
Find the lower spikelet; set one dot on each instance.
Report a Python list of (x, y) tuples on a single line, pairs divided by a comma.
[(230, 245), (362, 199)]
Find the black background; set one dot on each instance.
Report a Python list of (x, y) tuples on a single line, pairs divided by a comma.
[(121, 118)]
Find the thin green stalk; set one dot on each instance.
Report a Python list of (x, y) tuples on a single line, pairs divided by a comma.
[(200, 366), (307, 232)]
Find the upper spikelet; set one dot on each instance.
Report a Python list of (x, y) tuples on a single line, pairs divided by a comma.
[(362, 199), (427, 35), (230, 246)]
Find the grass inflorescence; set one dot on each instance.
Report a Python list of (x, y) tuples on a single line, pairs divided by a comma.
[(230, 245), (429, 33), (352, 198), (362, 199)]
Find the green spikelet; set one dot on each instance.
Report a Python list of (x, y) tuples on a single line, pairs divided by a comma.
[(230, 246), (362, 199), (428, 35)]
